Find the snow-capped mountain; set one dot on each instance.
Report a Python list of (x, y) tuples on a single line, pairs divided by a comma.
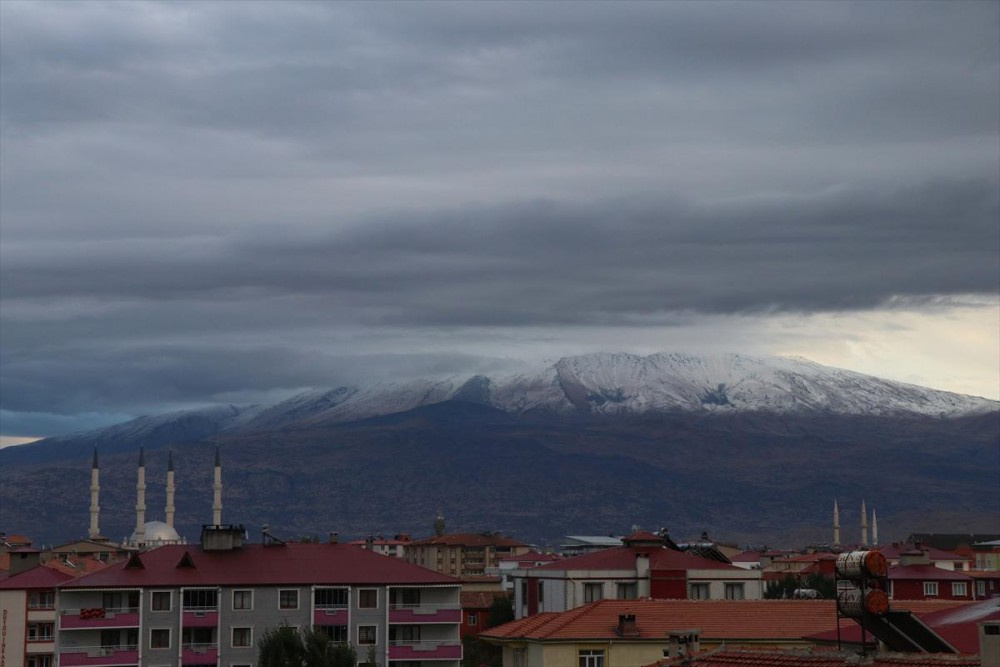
[(618, 384)]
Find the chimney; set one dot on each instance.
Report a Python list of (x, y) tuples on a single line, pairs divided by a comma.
[(683, 643), (24, 559), (626, 626)]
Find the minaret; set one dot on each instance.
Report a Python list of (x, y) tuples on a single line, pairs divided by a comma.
[(439, 524), (836, 524), (874, 529), (140, 502), (217, 502), (864, 525), (95, 490), (170, 489)]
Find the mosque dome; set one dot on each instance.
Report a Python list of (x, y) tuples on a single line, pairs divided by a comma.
[(157, 532)]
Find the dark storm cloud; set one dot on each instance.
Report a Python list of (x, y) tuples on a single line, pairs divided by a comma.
[(246, 188)]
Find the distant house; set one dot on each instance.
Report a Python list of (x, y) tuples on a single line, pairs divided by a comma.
[(986, 555), (476, 611), (926, 582), (507, 567), (643, 567), (903, 553), (462, 554), (395, 547)]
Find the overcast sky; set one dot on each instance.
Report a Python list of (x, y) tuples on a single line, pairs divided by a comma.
[(204, 202)]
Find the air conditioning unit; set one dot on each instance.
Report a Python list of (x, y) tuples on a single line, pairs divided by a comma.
[(199, 614)]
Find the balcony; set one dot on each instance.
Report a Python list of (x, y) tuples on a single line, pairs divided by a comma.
[(330, 615), (200, 617), (199, 654), (99, 618), (425, 613), (86, 656), (448, 649)]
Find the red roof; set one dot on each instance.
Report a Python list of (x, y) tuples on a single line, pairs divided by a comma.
[(896, 549), (718, 620), (925, 573), (39, 576), (470, 540), (747, 557), (732, 658), (623, 558), (255, 564), (531, 556)]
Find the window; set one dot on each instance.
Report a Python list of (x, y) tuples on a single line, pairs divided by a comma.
[(519, 657), (541, 594), (39, 661), (201, 599), (40, 632), (336, 633), (242, 637), (735, 591), (591, 658), (930, 588), (288, 599), (121, 602), (407, 598), (699, 591), (404, 633), (959, 589), (160, 601), (981, 589), (368, 598), (42, 600), (242, 600), (628, 591), (367, 634), (593, 592), (159, 638), (473, 619), (330, 598)]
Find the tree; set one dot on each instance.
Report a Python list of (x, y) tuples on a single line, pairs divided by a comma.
[(281, 647), (372, 658), (501, 611), (285, 646)]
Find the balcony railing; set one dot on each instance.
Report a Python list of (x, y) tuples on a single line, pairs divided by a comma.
[(330, 615), (425, 613), (199, 653), (444, 649), (99, 617), (200, 617), (80, 656)]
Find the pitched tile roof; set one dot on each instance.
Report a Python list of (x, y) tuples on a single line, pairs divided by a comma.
[(623, 558), (717, 619), (479, 599), (256, 564), (925, 573), (744, 658), (39, 576), (896, 549)]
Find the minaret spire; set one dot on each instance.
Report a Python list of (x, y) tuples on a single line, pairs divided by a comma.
[(836, 524), (874, 529), (170, 489), (95, 490), (217, 486), (864, 525), (140, 502)]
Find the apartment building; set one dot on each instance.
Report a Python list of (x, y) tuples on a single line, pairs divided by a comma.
[(463, 554), (187, 605)]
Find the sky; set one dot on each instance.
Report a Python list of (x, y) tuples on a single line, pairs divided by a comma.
[(230, 202)]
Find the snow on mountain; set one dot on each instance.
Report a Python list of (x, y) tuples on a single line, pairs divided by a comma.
[(618, 383)]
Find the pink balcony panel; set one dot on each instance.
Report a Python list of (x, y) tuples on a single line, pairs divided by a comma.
[(203, 656), (418, 615), (330, 617), (98, 657), (419, 651), (74, 622), (201, 619)]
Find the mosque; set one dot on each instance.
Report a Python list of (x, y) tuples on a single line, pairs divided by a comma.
[(150, 534)]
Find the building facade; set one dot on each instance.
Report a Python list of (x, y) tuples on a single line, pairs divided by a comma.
[(180, 605), (463, 554)]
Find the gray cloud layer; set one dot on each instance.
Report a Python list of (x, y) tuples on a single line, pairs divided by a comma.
[(204, 186)]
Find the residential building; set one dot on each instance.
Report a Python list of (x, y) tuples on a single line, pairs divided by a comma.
[(725, 657), (903, 553), (507, 567), (644, 567), (28, 608), (576, 545), (209, 605), (926, 582), (986, 555), (476, 611), (395, 547), (463, 554)]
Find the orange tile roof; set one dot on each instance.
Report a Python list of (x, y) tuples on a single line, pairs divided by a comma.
[(747, 620), (737, 658)]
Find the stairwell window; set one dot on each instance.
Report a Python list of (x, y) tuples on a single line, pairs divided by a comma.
[(699, 592), (159, 638), (930, 588), (735, 592), (593, 592), (242, 600), (591, 658), (368, 598), (160, 601), (367, 634)]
